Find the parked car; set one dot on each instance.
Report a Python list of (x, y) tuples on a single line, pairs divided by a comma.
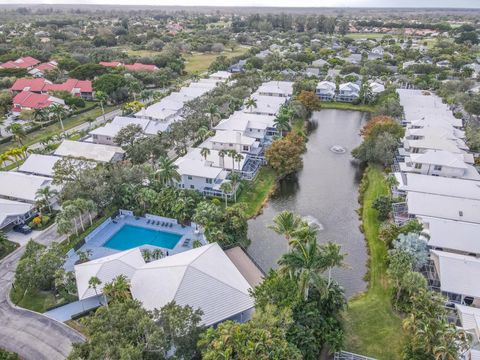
[(22, 228)]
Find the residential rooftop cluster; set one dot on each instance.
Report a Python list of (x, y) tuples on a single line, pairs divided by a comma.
[(434, 171)]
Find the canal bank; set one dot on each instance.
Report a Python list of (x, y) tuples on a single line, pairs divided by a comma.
[(325, 191)]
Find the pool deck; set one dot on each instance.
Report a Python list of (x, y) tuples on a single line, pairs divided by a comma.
[(94, 244)]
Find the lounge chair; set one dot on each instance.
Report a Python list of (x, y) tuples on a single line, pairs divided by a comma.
[(171, 224), (158, 222), (148, 221), (163, 223)]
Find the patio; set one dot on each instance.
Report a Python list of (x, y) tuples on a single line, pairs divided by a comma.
[(94, 242)]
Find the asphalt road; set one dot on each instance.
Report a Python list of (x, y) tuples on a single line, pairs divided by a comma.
[(30, 334)]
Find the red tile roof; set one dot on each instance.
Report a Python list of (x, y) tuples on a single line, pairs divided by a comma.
[(23, 63), (73, 86), (34, 85), (141, 67), (45, 66), (27, 99), (110, 63)]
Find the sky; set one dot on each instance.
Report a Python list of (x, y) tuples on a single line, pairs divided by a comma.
[(273, 3)]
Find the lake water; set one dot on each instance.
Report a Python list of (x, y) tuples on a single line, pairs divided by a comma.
[(326, 189)]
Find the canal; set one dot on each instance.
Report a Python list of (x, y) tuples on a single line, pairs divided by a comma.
[(326, 191)]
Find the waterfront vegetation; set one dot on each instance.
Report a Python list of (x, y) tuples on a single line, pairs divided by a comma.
[(255, 193), (6, 246), (372, 326), (347, 106)]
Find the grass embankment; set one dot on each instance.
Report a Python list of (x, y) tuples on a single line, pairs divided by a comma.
[(357, 36), (55, 129), (347, 106), (34, 300), (372, 327), (255, 193)]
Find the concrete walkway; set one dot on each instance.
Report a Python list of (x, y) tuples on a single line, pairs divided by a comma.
[(30, 334), (66, 312)]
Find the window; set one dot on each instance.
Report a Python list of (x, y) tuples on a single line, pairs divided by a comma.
[(189, 177), (418, 166), (437, 168), (245, 148), (192, 187), (230, 145), (209, 181)]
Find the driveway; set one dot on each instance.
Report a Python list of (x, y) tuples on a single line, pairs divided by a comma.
[(30, 334)]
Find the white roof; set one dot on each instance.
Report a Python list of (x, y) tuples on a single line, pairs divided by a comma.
[(469, 318), (276, 87), (224, 75), (9, 208), (420, 104), (443, 132), (196, 167), (462, 188), (150, 127), (434, 143), (193, 92), (214, 160), (441, 157), (445, 207), (327, 86), (429, 123), (90, 151), (39, 164), (350, 86), (377, 87), (232, 137), (106, 269), (203, 278), (458, 274), (266, 104), (240, 121), (453, 235), (16, 185)]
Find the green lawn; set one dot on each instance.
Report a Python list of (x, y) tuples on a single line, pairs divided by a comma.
[(199, 62), (38, 301), (347, 106), (56, 129), (372, 327), (357, 36), (255, 193)]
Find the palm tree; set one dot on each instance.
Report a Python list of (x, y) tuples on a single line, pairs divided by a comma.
[(17, 131), (59, 112), (168, 171), (94, 283), (235, 179), (226, 187), (16, 154), (282, 121), (213, 113), (221, 156), (332, 257), (134, 86), (118, 289), (205, 152), (157, 254), (304, 264), (250, 103), (203, 133), (4, 158), (238, 158), (232, 154), (40, 115), (45, 194), (102, 98), (90, 207), (287, 224)]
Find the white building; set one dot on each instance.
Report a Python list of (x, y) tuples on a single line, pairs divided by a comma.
[(348, 92), (470, 322), (233, 140), (440, 163), (38, 164), (21, 187), (14, 212), (204, 278), (89, 151), (260, 127), (266, 105), (325, 90), (276, 88), (196, 174)]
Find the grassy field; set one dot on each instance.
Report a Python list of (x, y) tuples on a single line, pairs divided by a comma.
[(357, 36), (372, 327), (33, 300), (199, 62), (255, 193), (55, 129), (347, 106)]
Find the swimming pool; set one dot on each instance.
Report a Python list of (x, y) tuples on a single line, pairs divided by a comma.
[(130, 236)]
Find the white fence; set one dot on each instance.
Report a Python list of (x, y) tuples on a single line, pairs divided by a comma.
[(97, 230)]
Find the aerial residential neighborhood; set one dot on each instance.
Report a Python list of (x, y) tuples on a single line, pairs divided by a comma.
[(219, 181)]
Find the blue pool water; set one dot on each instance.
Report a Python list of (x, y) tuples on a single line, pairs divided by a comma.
[(130, 236)]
